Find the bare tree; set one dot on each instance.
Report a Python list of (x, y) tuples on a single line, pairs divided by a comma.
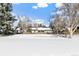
[(25, 24), (70, 16), (58, 24)]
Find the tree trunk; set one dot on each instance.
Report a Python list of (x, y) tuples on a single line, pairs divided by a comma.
[(57, 33), (71, 33)]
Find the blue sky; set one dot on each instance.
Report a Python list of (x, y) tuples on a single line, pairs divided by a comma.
[(34, 11)]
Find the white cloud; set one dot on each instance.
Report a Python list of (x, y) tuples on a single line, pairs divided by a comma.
[(35, 7), (40, 5), (38, 21), (58, 5)]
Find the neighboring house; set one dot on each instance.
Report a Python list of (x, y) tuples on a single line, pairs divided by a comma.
[(41, 30), (39, 27)]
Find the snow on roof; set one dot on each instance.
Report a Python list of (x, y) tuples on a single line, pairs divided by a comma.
[(41, 28)]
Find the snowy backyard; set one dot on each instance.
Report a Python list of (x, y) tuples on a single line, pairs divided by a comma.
[(38, 45)]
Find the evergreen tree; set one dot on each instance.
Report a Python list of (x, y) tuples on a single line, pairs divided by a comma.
[(6, 18)]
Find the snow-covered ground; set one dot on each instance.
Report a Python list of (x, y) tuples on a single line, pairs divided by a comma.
[(39, 45)]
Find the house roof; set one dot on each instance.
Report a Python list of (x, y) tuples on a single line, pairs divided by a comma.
[(40, 28)]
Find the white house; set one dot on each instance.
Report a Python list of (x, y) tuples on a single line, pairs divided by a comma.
[(41, 30)]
